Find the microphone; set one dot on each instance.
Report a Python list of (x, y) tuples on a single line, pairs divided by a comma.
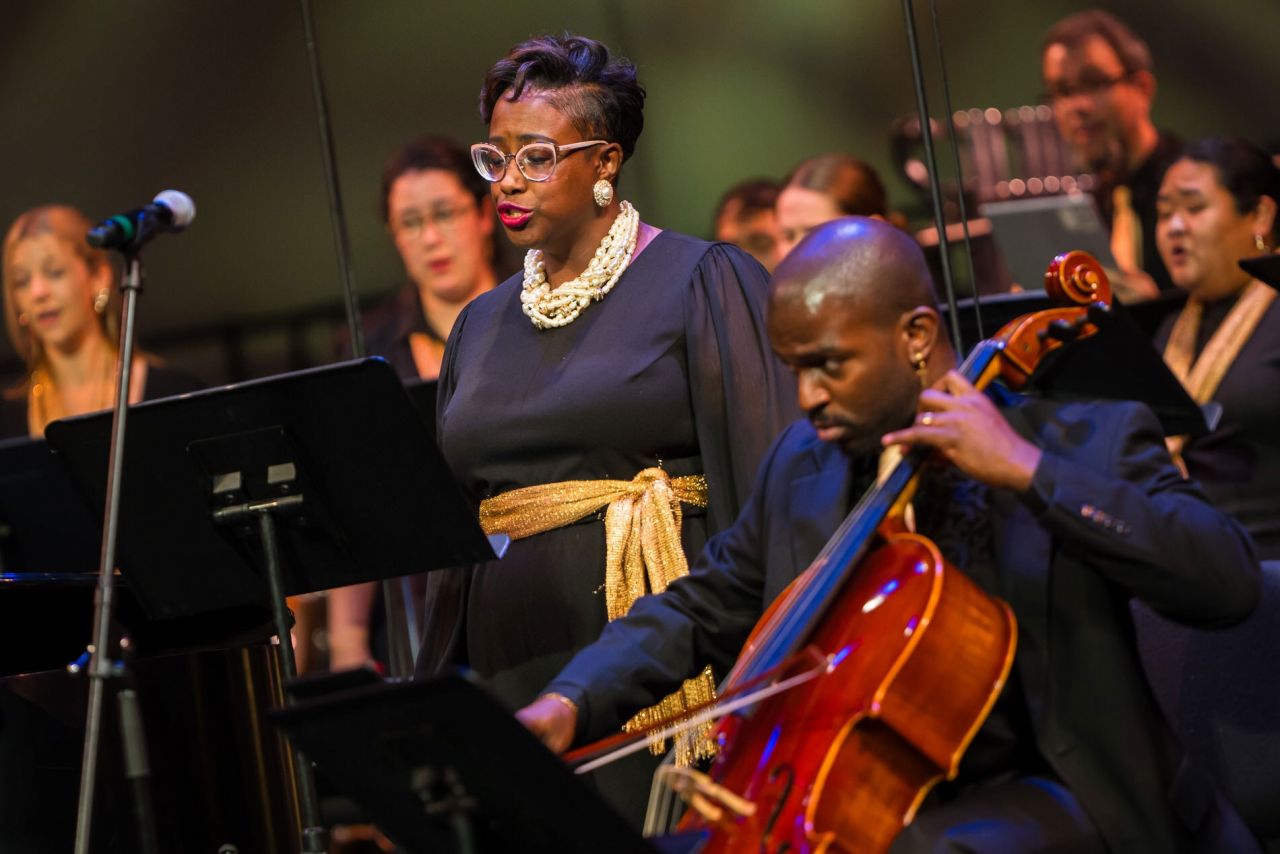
[(172, 210)]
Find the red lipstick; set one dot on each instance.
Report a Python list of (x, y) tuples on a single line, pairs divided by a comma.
[(512, 215)]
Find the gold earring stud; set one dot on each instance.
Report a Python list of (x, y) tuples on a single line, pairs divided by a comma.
[(100, 300), (1259, 242), (921, 366), (602, 192)]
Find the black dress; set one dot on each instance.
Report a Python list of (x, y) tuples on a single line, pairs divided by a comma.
[(1238, 464), (672, 367), (160, 382)]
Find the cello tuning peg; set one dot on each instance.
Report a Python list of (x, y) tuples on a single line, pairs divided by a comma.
[(1060, 330)]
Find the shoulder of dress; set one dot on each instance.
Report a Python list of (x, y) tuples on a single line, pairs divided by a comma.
[(494, 300)]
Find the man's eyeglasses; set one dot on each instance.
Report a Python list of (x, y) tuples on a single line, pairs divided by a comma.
[(1089, 87), (536, 161), (445, 219)]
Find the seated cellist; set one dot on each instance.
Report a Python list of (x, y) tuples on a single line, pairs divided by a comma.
[(1064, 510)]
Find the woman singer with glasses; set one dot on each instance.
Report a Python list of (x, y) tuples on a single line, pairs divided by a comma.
[(620, 390)]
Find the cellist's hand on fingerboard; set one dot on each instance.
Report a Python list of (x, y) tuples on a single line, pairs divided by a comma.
[(963, 425)]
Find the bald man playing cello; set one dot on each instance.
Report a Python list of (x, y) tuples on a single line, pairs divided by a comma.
[(1064, 510)]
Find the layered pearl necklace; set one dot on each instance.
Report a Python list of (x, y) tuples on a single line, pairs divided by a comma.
[(549, 308)]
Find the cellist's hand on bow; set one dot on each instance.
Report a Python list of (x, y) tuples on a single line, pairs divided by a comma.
[(965, 427), (553, 719)]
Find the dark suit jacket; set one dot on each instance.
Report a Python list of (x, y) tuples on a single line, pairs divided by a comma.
[(1107, 517)]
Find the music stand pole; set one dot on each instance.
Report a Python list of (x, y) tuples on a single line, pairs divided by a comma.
[(314, 837), (101, 665)]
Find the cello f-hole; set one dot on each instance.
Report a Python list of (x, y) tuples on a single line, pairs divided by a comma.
[(790, 773)]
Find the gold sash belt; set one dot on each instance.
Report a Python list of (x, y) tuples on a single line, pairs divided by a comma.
[(643, 554)]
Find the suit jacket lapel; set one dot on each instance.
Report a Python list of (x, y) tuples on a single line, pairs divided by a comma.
[(819, 503)]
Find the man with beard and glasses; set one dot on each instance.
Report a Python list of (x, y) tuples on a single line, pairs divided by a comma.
[(1099, 79), (1064, 510)]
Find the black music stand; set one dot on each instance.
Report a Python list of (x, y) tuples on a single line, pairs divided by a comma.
[(45, 525), (1118, 363), (249, 493), (422, 394), (440, 766)]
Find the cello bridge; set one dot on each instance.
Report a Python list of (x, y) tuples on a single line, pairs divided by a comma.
[(704, 795)]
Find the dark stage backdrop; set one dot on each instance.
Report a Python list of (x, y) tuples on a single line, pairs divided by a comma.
[(104, 104)]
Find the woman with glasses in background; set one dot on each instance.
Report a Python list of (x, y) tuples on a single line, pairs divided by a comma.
[(606, 408), (438, 213)]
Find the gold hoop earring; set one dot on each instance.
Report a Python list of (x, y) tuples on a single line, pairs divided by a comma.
[(1259, 242), (921, 367), (602, 192), (100, 300)]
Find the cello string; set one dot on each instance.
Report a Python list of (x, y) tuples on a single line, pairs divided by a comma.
[(791, 620), (955, 152)]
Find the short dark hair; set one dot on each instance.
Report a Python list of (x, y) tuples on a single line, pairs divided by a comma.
[(756, 194), (1073, 30), (1245, 170), (598, 92), (851, 183), (432, 152)]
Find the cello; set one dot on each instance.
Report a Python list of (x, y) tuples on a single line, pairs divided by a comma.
[(881, 661)]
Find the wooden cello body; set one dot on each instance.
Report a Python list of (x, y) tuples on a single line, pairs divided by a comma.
[(912, 647), (909, 654)]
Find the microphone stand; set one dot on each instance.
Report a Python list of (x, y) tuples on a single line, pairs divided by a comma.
[(103, 669)]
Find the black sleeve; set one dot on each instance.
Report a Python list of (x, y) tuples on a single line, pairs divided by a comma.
[(1147, 529), (742, 394)]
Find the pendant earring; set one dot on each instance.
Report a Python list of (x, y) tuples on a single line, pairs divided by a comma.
[(918, 363), (602, 192), (1260, 243), (100, 300)]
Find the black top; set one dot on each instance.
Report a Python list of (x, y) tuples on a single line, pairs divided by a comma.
[(673, 366), (387, 326), (1144, 184), (1238, 464), (160, 382)]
